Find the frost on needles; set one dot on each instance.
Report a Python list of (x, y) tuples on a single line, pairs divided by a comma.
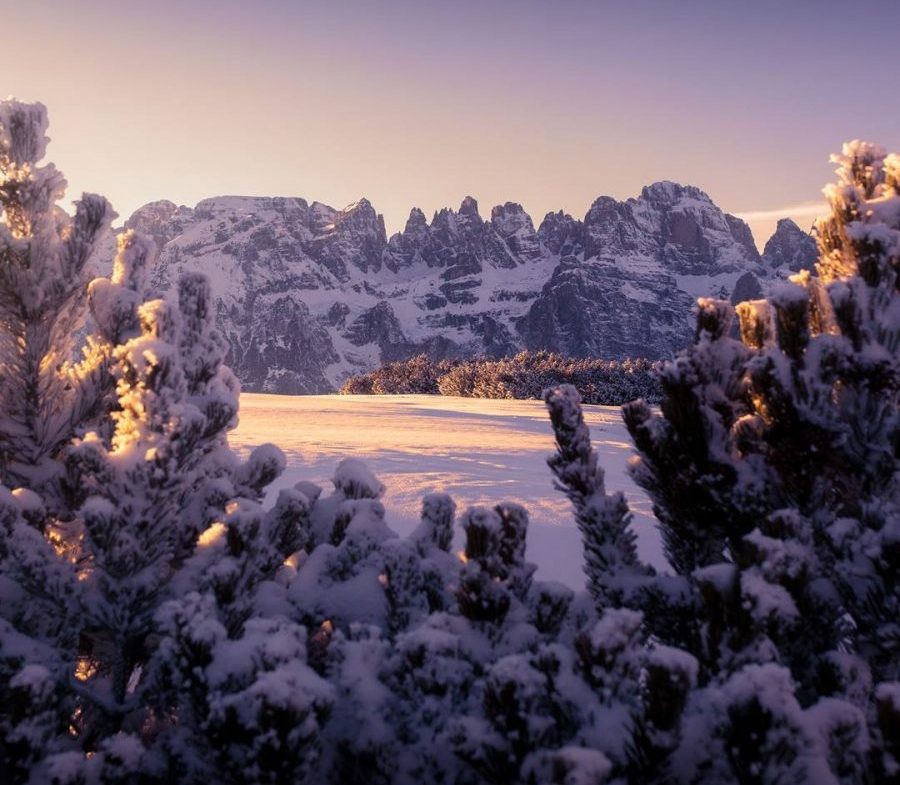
[(160, 623)]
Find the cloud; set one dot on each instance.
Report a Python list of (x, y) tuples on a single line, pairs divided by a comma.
[(802, 209)]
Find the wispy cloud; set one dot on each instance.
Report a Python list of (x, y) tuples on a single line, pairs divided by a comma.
[(802, 209)]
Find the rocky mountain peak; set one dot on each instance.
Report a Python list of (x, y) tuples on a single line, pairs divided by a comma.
[(562, 234), (740, 231), (151, 213), (674, 227), (158, 220), (510, 218), (790, 248), (668, 192), (513, 225), (355, 237), (416, 221), (469, 208), (361, 217), (321, 217)]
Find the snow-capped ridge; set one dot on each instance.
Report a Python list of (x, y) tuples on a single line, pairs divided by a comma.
[(307, 293)]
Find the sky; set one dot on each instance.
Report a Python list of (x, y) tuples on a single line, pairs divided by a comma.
[(549, 103)]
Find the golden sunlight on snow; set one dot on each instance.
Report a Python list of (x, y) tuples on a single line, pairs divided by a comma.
[(480, 451), (212, 535)]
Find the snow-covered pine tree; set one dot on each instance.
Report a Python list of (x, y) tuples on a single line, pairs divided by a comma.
[(557, 692), (357, 587), (117, 461), (47, 393), (648, 685), (704, 395), (132, 492), (433, 539), (614, 572), (494, 572), (860, 270), (400, 678), (131, 558), (226, 693), (773, 468), (240, 706)]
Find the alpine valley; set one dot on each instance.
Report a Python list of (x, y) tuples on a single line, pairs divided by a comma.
[(307, 295)]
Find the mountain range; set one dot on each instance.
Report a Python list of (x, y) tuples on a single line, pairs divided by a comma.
[(307, 294)]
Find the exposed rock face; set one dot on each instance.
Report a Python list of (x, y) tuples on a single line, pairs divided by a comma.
[(307, 294), (286, 352), (513, 225), (354, 238), (562, 235), (790, 248), (746, 288), (742, 234), (644, 260), (600, 310), (376, 325)]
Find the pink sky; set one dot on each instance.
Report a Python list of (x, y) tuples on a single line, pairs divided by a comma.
[(547, 104)]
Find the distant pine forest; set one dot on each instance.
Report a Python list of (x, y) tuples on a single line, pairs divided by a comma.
[(523, 376)]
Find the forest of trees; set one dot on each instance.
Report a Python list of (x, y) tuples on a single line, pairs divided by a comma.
[(159, 623), (523, 376)]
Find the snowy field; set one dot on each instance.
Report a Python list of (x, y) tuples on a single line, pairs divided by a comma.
[(480, 451)]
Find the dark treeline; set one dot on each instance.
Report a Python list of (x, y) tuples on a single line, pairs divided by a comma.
[(523, 376)]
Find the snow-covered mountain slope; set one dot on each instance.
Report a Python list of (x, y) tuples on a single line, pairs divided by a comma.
[(307, 294), (479, 451)]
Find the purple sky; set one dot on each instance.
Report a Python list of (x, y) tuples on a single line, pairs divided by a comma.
[(547, 103)]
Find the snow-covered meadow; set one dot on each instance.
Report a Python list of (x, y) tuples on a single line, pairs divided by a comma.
[(480, 451)]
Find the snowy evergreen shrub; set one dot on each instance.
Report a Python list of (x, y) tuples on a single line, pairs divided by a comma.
[(495, 569), (612, 566), (127, 510), (436, 529), (458, 668), (48, 395), (416, 376), (47, 391), (461, 380), (780, 456), (773, 470)]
